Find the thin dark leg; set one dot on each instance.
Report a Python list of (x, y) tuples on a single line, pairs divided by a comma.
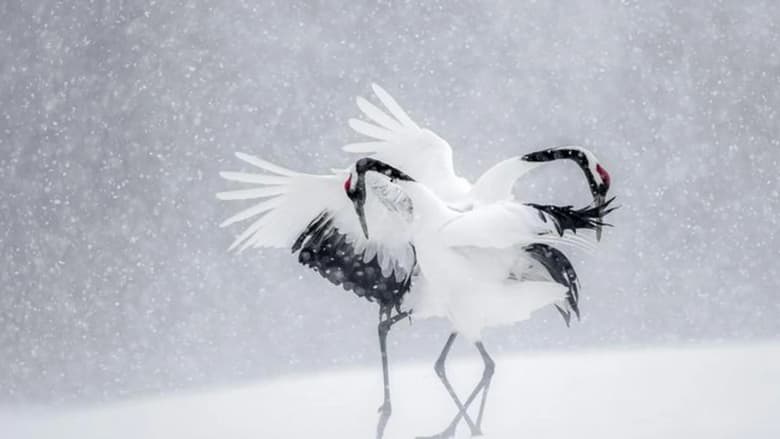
[(442, 374), (386, 408), (490, 367), (383, 328), (484, 384)]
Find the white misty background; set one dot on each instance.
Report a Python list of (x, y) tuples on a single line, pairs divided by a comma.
[(116, 117)]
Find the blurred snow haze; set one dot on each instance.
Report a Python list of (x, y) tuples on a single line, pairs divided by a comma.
[(116, 117)]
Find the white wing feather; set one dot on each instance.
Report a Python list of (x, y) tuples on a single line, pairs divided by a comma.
[(372, 131), (265, 165), (290, 201), (363, 147), (249, 194), (393, 107), (380, 117), (397, 140), (245, 177), (263, 206)]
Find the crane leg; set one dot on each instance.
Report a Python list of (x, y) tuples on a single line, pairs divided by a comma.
[(442, 374), (487, 377), (483, 385), (385, 323)]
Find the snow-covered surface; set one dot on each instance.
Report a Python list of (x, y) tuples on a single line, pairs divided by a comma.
[(117, 116), (693, 392)]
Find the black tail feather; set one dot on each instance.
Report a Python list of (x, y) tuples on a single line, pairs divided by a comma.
[(561, 270), (567, 218)]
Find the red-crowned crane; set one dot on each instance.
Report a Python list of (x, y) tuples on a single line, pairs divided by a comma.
[(311, 215)]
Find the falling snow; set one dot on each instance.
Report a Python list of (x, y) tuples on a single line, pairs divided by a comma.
[(116, 117)]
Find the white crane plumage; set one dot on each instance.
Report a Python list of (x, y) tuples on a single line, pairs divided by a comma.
[(311, 215)]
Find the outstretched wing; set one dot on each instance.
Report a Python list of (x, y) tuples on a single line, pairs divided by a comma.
[(312, 216), (397, 140)]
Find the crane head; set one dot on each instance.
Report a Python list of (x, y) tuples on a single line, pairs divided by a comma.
[(598, 178)]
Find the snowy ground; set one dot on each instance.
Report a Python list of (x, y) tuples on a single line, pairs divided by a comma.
[(712, 392)]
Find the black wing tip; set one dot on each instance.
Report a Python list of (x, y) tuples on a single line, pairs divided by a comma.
[(324, 249)]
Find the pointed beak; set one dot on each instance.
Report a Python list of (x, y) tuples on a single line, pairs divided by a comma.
[(604, 207), (362, 217), (359, 201), (358, 197), (599, 200)]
